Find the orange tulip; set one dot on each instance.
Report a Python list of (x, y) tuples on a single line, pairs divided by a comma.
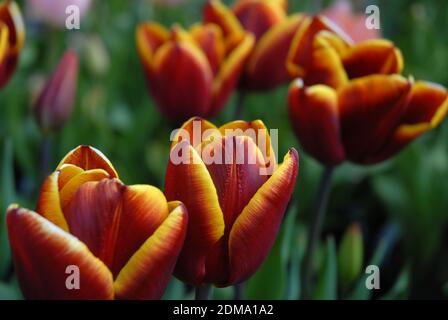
[(351, 103), (124, 240), (190, 72), (12, 38), (235, 211), (267, 20)]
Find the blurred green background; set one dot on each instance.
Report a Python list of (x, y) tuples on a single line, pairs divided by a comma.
[(400, 205)]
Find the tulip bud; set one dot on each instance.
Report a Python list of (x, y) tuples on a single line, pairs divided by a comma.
[(350, 256), (12, 38), (55, 103)]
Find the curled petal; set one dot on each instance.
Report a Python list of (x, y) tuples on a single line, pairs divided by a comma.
[(11, 18), (258, 17), (254, 232), (149, 37), (264, 70), (49, 204), (206, 222), (210, 40), (301, 47), (195, 131), (147, 273), (230, 72), (370, 110), (66, 173), (181, 82), (376, 56), (42, 252), (428, 106), (88, 158), (315, 118)]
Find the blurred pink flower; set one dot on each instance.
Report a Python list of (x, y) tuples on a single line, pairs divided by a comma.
[(53, 11), (342, 13)]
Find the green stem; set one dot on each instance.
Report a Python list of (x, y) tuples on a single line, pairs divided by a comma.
[(238, 291), (319, 211), (203, 292)]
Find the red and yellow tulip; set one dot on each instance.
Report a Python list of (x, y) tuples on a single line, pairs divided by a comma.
[(351, 102), (191, 72), (124, 239), (273, 29), (234, 211), (12, 39)]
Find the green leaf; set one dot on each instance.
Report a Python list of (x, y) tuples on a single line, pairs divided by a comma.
[(327, 283), (350, 256)]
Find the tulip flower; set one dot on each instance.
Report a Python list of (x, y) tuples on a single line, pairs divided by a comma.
[(341, 12), (235, 211), (190, 72), (12, 38), (267, 20), (54, 104), (55, 12), (124, 240), (351, 103)]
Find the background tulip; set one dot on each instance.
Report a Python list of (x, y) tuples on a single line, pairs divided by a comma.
[(12, 38), (235, 212), (54, 104), (54, 12), (267, 20), (190, 72), (124, 239)]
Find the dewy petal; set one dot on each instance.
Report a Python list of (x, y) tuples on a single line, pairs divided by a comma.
[(147, 273), (149, 37), (427, 107), (42, 254), (114, 220), (255, 230), (11, 16), (301, 46), (49, 204), (88, 158), (376, 56), (230, 72), (182, 78), (192, 184), (265, 69), (315, 118), (209, 38), (257, 131), (325, 65), (258, 17), (370, 109)]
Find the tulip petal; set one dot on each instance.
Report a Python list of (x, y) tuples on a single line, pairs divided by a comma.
[(42, 252), (148, 271), (4, 45), (376, 56), (315, 118), (301, 47), (428, 106), (258, 132), (255, 230), (210, 40), (49, 204), (192, 184), (195, 131), (149, 37), (230, 72), (102, 214), (70, 188), (218, 13), (88, 158), (370, 110), (67, 172), (325, 65), (258, 17), (11, 16), (181, 67), (264, 70)]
